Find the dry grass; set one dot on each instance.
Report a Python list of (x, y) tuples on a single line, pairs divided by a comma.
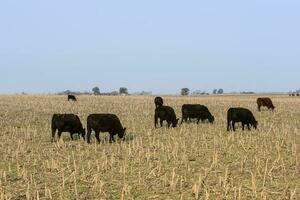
[(190, 162)]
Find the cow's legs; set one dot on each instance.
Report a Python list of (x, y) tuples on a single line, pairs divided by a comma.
[(198, 120), (248, 127), (243, 126), (258, 108), (228, 125), (233, 125), (53, 135), (71, 134), (169, 124), (97, 135), (59, 134), (184, 119), (88, 135), (111, 138), (161, 122)]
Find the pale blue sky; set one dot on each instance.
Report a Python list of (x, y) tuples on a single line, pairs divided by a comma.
[(157, 45)]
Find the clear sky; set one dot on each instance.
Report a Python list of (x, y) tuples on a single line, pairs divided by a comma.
[(157, 45)]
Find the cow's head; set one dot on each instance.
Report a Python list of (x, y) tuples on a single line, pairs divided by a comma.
[(122, 133), (175, 122), (211, 119), (254, 124)]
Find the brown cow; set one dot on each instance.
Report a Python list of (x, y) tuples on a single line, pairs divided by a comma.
[(265, 102)]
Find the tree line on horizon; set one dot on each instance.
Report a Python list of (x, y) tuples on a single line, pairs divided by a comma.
[(124, 91)]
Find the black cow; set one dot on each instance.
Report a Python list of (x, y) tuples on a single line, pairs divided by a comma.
[(104, 123), (66, 123), (196, 111), (158, 101), (165, 113), (240, 115), (71, 97)]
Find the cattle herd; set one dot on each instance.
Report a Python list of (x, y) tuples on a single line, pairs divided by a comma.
[(111, 123)]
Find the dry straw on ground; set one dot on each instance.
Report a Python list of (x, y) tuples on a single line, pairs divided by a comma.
[(189, 162)]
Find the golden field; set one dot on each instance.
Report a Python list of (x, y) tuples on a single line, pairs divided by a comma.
[(189, 162)]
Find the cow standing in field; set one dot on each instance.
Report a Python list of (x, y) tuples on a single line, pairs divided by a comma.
[(66, 123), (165, 113), (104, 123), (242, 115), (71, 97), (265, 102), (196, 111), (158, 101)]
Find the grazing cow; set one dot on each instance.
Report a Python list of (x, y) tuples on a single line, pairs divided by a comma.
[(265, 102), (196, 111), (293, 94), (158, 101), (240, 115), (104, 123), (66, 123), (165, 113), (297, 94), (71, 97)]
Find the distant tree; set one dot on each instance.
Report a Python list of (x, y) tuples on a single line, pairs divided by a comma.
[(144, 93), (197, 92), (114, 93), (96, 90), (215, 91), (123, 90), (185, 91), (220, 91)]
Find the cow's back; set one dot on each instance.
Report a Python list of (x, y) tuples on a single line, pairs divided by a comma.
[(194, 109), (239, 114), (66, 122), (165, 112), (103, 122)]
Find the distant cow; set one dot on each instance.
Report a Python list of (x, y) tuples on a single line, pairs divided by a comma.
[(265, 102), (196, 111), (66, 123), (297, 94), (242, 115), (104, 123), (165, 113), (71, 97), (158, 101)]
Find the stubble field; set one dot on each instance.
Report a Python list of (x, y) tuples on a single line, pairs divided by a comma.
[(188, 162)]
